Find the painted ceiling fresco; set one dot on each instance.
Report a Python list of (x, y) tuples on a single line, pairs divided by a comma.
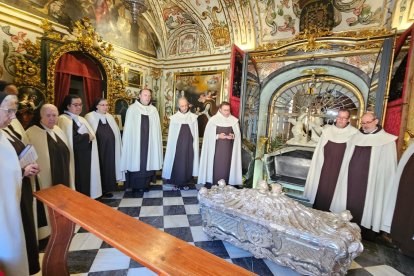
[(193, 27)]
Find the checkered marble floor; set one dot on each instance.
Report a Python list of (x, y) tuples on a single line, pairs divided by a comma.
[(177, 213)]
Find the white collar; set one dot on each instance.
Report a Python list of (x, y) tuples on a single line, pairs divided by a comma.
[(101, 117)]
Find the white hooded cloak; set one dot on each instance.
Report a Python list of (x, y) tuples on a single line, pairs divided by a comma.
[(176, 121), (93, 119), (205, 174)]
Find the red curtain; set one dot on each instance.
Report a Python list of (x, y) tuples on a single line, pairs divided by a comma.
[(392, 122), (62, 85), (78, 64), (93, 90)]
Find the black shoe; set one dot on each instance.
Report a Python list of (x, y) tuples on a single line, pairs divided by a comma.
[(109, 195)]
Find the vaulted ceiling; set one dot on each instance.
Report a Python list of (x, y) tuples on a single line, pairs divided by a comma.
[(174, 28)]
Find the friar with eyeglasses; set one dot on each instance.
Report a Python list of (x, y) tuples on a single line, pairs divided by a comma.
[(366, 177), (327, 160), (82, 146)]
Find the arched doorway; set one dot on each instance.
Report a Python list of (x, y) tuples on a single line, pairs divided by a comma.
[(80, 74)]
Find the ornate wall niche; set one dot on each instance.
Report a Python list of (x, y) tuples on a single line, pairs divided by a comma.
[(41, 72)]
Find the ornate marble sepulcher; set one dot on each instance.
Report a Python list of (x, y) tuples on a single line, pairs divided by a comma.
[(273, 226)]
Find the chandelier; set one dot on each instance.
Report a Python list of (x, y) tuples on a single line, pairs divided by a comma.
[(136, 7)]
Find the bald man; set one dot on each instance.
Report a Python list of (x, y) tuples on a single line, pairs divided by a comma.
[(54, 156), (365, 178), (181, 156)]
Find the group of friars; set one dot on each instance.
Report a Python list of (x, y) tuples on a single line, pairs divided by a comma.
[(351, 169), (88, 155), (356, 170)]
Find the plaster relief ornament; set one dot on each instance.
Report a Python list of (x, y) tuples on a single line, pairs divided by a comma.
[(273, 226)]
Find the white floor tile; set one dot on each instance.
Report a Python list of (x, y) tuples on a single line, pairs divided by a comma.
[(192, 209), (140, 271), (383, 270), (153, 194), (236, 252), (77, 227), (110, 259), (176, 221), (149, 211), (198, 234), (85, 241), (189, 193), (172, 201), (131, 202), (280, 270)]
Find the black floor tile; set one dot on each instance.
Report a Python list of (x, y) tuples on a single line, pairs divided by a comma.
[(133, 194), (171, 193), (214, 247), (130, 211), (371, 256), (105, 245), (195, 220), (174, 210), (252, 264), (121, 272), (190, 200), (156, 221), (112, 202), (152, 201), (155, 187), (134, 264), (183, 233), (81, 261), (82, 230)]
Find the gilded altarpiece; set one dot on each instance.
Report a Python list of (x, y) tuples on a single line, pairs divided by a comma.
[(37, 69)]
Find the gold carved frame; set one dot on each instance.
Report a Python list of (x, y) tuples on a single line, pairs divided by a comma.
[(82, 39)]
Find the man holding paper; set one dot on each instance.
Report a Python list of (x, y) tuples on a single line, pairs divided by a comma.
[(82, 146)]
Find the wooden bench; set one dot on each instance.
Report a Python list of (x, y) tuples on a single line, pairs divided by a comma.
[(162, 253)]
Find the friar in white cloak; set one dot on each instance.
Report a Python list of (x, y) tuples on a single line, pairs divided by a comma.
[(142, 143), (401, 221), (13, 253), (221, 150), (327, 160), (365, 179), (109, 142), (181, 156), (53, 157), (83, 148)]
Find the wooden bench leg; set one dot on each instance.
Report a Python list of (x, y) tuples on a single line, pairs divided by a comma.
[(55, 259)]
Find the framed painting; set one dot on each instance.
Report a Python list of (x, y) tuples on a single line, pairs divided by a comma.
[(134, 78), (30, 99), (204, 91)]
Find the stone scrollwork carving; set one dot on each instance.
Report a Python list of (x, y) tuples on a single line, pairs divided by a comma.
[(271, 225)]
